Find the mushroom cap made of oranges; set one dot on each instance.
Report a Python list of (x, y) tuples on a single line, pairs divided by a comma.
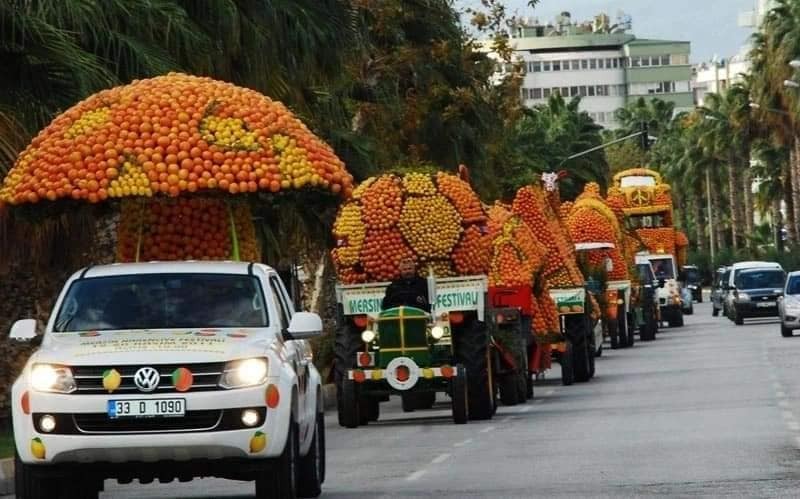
[(435, 219), (169, 135)]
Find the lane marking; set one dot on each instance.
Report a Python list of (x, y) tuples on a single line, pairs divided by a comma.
[(463, 443), (416, 475), (524, 408), (549, 392), (440, 458), (787, 415), (488, 429)]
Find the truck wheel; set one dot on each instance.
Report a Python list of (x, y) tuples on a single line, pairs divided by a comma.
[(426, 400), (508, 389), (738, 320), (28, 486), (349, 414), (647, 331), (676, 318), (459, 396), (625, 325), (311, 467), (567, 371), (369, 410), (472, 351), (786, 332), (348, 343), (714, 311), (691, 310), (577, 332), (613, 333), (529, 386), (281, 480)]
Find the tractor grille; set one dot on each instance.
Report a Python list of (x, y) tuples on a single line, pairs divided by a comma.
[(405, 334), (89, 379)]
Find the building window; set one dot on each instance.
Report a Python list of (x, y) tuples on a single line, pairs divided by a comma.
[(609, 63), (602, 90), (592, 63), (536, 67), (645, 61), (591, 90), (545, 65), (584, 64), (556, 65), (546, 93), (582, 91), (665, 60), (636, 62), (575, 64), (573, 91), (681, 86), (680, 59), (616, 63), (537, 93)]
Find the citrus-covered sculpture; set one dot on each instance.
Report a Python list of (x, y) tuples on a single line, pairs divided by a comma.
[(435, 219)]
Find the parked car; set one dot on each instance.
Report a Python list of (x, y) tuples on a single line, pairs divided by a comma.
[(736, 269), (755, 293), (693, 281), (789, 305), (719, 289)]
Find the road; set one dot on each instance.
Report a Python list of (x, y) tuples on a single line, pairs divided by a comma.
[(708, 409)]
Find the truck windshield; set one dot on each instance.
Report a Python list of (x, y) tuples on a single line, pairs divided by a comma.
[(162, 301), (645, 273), (663, 267), (758, 279), (637, 181), (692, 275)]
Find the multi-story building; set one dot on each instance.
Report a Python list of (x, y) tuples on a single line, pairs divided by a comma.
[(603, 65), (718, 75)]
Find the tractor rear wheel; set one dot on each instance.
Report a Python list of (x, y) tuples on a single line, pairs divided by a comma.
[(626, 326), (508, 389), (459, 396), (577, 332), (472, 351), (347, 345), (370, 409), (617, 340), (567, 371)]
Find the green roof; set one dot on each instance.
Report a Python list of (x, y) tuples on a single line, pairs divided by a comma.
[(650, 41)]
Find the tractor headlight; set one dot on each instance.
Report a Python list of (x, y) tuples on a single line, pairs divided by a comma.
[(437, 332), (242, 373), (51, 378), (368, 336)]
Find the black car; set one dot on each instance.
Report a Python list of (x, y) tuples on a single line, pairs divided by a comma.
[(755, 293)]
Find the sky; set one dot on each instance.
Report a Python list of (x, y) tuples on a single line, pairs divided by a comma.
[(711, 25)]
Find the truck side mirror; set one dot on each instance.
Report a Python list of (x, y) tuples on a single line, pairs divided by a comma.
[(23, 330), (305, 325)]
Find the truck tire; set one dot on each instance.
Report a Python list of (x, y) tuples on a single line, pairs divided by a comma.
[(458, 390), (647, 331), (577, 332), (347, 344), (786, 332), (625, 325), (311, 467), (567, 371), (509, 395), (472, 351), (426, 400), (28, 486), (714, 311), (281, 478), (349, 416), (675, 318), (369, 410), (613, 333)]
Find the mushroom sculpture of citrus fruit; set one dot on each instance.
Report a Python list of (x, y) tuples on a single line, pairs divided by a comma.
[(181, 137)]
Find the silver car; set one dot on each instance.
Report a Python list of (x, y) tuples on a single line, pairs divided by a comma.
[(789, 305)]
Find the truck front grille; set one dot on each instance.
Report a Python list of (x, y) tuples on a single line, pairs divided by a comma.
[(89, 379)]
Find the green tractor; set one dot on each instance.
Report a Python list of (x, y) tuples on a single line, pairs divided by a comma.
[(408, 354)]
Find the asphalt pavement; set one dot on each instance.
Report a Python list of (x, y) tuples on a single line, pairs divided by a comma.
[(709, 409)]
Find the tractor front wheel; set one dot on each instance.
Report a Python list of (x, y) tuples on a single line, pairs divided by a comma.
[(346, 347), (349, 416), (567, 371), (472, 351)]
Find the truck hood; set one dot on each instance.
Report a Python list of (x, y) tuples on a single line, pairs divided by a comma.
[(153, 346)]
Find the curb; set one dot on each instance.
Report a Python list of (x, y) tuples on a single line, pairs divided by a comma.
[(7, 476)]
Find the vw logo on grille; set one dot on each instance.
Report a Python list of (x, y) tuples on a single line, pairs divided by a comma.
[(146, 379)]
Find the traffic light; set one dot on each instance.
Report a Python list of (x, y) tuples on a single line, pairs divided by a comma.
[(645, 136)]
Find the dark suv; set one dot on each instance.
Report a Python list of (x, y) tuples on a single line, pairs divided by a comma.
[(756, 293)]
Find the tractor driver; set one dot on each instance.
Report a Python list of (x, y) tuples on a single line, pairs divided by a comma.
[(409, 290)]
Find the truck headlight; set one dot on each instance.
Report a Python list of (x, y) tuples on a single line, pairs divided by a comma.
[(52, 378), (243, 373), (437, 332), (368, 336)]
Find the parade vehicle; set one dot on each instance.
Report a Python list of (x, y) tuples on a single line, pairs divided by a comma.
[(645, 199), (170, 371), (646, 314), (407, 352), (693, 281)]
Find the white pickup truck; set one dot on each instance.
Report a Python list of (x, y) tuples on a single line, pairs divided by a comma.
[(170, 371)]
